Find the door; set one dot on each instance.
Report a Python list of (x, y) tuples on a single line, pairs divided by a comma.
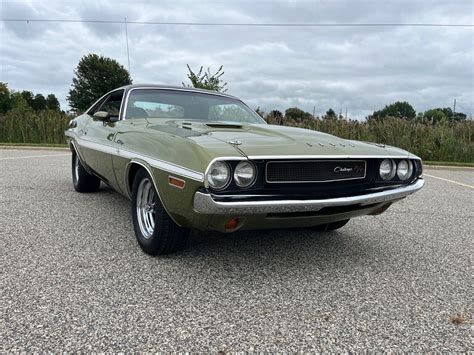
[(98, 138)]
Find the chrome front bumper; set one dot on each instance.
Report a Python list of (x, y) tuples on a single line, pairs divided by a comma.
[(205, 204)]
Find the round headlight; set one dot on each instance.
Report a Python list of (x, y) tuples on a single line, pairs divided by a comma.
[(244, 174), (218, 175), (387, 169), (404, 170)]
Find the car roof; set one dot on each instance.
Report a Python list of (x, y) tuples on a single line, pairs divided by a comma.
[(171, 87)]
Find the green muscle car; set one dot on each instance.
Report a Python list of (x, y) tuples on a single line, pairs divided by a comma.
[(190, 158)]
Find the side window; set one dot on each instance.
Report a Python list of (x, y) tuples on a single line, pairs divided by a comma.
[(112, 103), (96, 106)]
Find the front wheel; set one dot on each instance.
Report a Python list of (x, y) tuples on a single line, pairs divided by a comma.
[(156, 232), (81, 179), (331, 226)]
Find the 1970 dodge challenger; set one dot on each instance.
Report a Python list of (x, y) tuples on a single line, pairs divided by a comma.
[(190, 158)]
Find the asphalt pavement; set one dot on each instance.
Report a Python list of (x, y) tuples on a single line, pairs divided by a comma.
[(74, 279)]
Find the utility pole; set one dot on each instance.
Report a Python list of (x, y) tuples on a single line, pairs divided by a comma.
[(346, 113), (128, 52), (314, 112)]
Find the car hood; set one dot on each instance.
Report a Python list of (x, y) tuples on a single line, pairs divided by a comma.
[(262, 140)]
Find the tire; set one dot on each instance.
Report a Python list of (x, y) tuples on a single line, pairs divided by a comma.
[(331, 226), (155, 231), (82, 180)]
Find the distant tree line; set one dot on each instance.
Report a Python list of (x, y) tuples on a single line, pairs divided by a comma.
[(399, 110), (37, 102), (30, 118)]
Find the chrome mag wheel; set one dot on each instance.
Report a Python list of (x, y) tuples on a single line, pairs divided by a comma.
[(146, 207)]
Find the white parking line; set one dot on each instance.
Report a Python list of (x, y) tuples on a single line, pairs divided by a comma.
[(451, 181), (36, 156)]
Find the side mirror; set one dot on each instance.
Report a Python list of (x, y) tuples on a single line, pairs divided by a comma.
[(104, 117)]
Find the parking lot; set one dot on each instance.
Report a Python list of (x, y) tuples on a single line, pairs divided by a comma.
[(73, 277)]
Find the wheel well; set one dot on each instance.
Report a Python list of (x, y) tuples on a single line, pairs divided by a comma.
[(73, 149), (132, 171)]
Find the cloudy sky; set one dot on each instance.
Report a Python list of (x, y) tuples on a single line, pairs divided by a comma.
[(358, 68)]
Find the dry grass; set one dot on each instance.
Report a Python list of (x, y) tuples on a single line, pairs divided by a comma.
[(439, 142)]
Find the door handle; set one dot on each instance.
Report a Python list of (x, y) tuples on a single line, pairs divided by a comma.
[(118, 141)]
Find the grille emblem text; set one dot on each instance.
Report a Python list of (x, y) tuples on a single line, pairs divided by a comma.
[(339, 169)]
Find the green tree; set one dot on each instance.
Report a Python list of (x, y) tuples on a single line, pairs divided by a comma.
[(18, 100), (95, 76), (330, 115), (39, 103), (206, 80), (275, 116), (434, 116), (52, 103), (457, 116), (5, 98), (296, 114), (28, 97), (399, 109)]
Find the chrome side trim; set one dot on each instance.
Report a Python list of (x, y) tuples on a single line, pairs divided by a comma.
[(96, 146), (163, 165), (315, 161), (205, 204), (153, 162)]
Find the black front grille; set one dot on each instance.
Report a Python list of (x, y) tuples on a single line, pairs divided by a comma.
[(314, 171)]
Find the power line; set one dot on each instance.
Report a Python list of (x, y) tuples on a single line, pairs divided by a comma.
[(241, 24)]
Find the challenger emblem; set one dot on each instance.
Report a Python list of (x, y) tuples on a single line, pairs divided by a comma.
[(343, 169), (339, 169)]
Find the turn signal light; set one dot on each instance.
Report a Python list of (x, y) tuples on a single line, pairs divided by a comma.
[(231, 224), (176, 182), (381, 209)]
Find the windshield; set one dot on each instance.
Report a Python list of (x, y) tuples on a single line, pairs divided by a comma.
[(158, 103)]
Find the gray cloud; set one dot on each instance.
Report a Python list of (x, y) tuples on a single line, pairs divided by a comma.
[(361, 69)]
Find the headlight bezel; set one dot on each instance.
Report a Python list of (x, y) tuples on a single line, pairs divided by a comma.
[(208, 184), (393, 169), (231, 185), (251, 181), (409, 171)]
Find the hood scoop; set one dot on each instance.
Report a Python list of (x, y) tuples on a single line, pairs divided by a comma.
[(224, 125)]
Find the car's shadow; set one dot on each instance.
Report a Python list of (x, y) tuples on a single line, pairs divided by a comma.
[(287, 246)]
